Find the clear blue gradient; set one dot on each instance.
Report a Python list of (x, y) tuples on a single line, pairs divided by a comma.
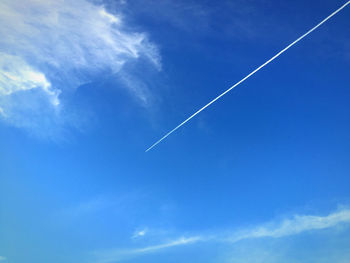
[(275, 148)]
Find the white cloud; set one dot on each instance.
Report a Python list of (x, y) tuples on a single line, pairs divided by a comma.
[(52, 46), (2, 258), (16, 75), (177, 242), (139, 233), (2, 113), (296, 225), (116, 255)]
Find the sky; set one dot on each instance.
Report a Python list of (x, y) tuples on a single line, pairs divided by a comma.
[(260, 176)]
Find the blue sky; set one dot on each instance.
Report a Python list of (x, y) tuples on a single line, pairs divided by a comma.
[(260, 176)]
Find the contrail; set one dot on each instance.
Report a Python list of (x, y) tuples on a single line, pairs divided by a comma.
[(250, 74)]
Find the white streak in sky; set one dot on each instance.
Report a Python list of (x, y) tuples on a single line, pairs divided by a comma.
[(178, 242), (116, 255), (250, 74), (298, 224)]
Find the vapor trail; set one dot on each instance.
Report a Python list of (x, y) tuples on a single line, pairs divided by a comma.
[(250, 74)]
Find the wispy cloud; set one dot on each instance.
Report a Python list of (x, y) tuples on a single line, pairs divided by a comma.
[(298, 224), (16, 75), (139, 233), (49, 47), (293, 226), (115, 255), (173, 243), (2, 258)]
